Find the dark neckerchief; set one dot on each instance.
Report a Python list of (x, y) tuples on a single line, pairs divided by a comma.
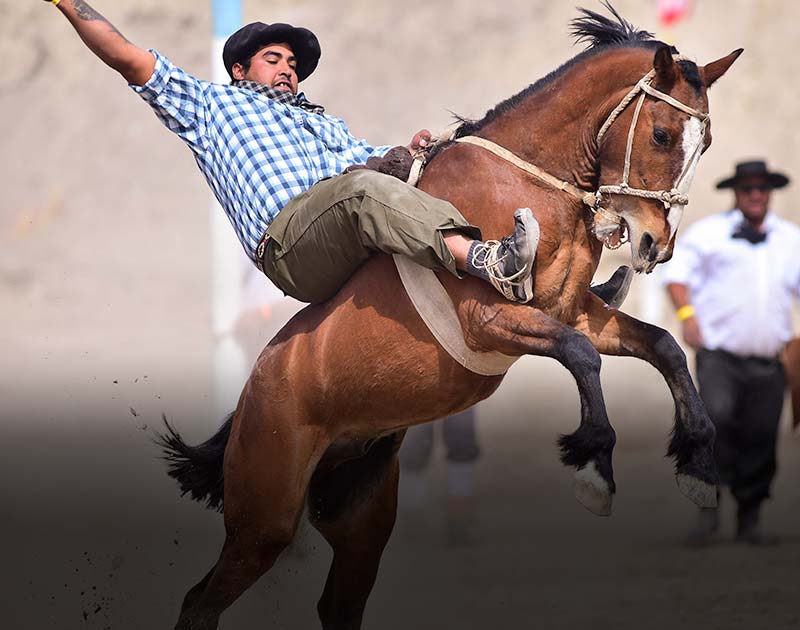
[(281, 96), (748, 233)]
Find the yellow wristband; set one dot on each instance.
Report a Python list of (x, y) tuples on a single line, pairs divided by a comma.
[(55, 2), (685, 312)]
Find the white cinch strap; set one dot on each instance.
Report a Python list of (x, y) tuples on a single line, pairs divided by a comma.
[(437, 311)]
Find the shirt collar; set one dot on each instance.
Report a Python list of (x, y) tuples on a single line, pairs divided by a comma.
[(281, 96), (767, 226)]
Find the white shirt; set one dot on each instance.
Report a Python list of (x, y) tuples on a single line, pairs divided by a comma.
[(742, 293)]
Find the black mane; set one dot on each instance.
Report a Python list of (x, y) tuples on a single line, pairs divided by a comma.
[(602, 33), (600, 30)]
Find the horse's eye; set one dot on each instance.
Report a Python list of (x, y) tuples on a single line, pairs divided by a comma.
[(661, 136)]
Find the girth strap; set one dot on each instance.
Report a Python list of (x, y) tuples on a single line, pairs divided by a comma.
[(436, 309), (590, 199), (585, 196)]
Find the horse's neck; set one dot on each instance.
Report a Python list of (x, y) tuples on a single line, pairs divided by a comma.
[(556, 126)]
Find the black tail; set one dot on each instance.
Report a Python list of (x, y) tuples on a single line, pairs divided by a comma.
[(197, 469)]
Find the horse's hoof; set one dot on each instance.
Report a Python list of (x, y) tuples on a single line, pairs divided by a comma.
[(703, 494), (592, 491)]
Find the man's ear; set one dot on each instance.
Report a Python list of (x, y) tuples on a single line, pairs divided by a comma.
[(237, 70)]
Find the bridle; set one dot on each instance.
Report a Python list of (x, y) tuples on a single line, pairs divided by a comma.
[(642, 88), (594, 200)]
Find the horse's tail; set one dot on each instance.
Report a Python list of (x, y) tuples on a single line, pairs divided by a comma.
[(197, 469)]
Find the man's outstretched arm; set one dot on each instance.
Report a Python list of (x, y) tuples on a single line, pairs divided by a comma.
[(105, 41)]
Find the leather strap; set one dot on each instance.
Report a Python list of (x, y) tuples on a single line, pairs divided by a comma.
[(437, 311)]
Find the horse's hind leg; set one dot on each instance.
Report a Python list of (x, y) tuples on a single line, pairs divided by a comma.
[(515, 329), (354, 507), (268, 465)]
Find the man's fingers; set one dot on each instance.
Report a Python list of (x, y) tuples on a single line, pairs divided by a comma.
[(421, 139)]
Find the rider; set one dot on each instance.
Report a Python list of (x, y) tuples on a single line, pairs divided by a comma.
[(270, 156)]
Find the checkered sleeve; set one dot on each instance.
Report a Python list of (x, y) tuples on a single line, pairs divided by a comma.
[(179, 100), (350, 149)]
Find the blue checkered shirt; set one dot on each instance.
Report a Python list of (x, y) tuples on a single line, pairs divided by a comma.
[(255, 153)]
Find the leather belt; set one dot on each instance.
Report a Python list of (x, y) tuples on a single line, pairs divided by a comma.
[(262, 246)]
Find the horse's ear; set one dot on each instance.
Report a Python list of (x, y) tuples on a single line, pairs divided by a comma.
[(714, 70), (667, 70)]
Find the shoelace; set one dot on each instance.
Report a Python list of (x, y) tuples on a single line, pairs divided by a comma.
[(490, 261)]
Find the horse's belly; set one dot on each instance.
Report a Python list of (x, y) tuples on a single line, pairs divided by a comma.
[(379, 363)]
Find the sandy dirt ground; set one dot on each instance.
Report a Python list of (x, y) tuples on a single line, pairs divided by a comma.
[(96, 537), (104, 325)]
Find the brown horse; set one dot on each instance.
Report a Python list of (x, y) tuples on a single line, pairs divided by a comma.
[(326, 407)]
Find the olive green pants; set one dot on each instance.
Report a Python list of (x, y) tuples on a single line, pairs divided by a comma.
[(324, 234)]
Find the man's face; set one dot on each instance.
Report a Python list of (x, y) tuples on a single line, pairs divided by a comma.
[(274, 65), (752, 197)]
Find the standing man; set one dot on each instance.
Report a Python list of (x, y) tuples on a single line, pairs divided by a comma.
[(732, 280), (271, 158)]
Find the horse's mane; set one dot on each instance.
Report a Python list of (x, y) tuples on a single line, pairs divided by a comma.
[(600, 30), (601, 33)]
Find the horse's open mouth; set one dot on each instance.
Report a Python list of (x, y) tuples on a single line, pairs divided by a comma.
[(619, 236)]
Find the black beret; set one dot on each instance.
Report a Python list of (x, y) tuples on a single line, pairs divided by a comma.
[(249, 39)]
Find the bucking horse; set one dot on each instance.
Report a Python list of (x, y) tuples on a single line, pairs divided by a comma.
[(603, 150)]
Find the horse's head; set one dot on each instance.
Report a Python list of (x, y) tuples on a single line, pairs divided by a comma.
[(648, 148)]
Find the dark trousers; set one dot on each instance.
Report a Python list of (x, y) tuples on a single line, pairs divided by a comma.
[(744, 397), (460, 440)]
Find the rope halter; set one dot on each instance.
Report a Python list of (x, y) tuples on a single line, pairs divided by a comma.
[(668, 197), (594, 199)]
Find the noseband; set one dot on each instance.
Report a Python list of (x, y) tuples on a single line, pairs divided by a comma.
[(594, 199)]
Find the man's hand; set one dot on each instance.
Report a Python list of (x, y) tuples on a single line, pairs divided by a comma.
[(420, 141), (691, 334)]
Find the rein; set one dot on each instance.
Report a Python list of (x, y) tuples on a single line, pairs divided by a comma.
[(594, 199)]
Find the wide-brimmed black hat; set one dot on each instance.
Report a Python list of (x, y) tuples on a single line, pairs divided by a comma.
[(249, 39), (754, 168)]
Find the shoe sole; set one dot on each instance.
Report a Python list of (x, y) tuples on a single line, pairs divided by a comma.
[(532, 233)]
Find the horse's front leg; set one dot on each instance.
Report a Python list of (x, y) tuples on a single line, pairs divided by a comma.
[(515, 329), (615, 333)]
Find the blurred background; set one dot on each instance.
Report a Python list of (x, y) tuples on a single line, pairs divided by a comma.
[(106, 324)]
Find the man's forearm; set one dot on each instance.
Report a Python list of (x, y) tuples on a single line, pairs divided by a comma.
[(681, 297), (679, 294), (102, 38)]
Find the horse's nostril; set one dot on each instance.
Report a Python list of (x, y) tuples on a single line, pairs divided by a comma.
[(647, 247)]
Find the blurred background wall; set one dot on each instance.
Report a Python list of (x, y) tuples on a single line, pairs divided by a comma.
[(105, 305), (104, 237), (105, 259)]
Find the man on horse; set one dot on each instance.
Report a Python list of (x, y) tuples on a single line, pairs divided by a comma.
[(272, 157)]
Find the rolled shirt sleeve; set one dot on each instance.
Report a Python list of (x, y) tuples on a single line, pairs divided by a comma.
[(179, 100)]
